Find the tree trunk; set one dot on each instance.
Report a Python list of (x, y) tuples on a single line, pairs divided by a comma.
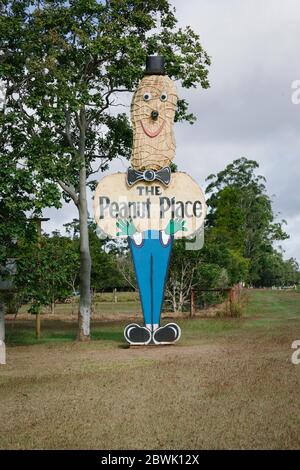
[(53, 306), (192, 308), (2, 322), (174, 302), (181, 300), (38, 325), (2, 334), (84, 314)]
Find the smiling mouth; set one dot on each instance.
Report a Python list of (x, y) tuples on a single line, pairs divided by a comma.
[(150, 133)]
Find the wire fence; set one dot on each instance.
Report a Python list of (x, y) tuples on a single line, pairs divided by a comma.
[(218, 302)]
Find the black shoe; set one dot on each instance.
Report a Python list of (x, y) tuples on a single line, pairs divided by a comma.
[(135, 334), (167, 334)]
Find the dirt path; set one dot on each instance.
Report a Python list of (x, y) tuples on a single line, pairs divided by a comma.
[(233, 391)]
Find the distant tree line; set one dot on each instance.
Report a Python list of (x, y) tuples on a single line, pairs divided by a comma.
[(241, 232)]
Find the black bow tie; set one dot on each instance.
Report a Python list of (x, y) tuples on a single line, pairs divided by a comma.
[(163, 175)]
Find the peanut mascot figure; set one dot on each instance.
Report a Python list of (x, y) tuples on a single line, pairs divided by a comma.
[(152, 113)]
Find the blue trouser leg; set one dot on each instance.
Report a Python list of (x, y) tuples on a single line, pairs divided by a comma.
[(151, 262), (161, 257), (142, 265)]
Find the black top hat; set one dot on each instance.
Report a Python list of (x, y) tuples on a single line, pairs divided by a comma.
[(155, 65)]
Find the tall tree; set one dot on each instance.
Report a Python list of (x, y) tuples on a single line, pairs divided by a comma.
[(23, 193), (66, 63), (241, 214)]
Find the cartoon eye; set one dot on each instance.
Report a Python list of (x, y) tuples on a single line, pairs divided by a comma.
[(147, 96), (163, 96)]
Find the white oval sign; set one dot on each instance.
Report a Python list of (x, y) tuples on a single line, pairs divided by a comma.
[(150, 205)]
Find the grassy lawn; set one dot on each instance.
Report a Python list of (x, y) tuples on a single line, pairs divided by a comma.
[(228, 383), (104, 305), (274, 304)]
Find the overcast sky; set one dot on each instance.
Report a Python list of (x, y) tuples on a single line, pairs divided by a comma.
[(248, 110)]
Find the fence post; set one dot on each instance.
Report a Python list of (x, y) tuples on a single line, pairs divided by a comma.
[(234, 296), (38, 325)]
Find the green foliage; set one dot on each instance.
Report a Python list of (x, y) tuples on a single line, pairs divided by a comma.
[(105, 273), (275, 271), (241, 220), (47, 270), (211, 276), (219, 254), (23, 193)]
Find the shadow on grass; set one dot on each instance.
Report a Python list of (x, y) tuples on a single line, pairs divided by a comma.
[(113, 335), (59, 332), (21, 337)]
